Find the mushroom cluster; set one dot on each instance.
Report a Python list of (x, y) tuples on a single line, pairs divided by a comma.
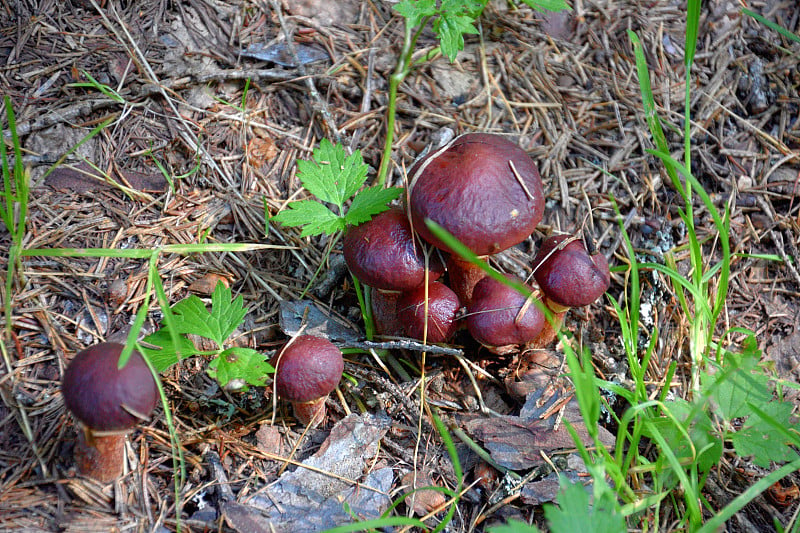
[(487, 192)]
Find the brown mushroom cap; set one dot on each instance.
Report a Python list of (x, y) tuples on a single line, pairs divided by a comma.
[(482, 188), (382, 253), (499, 316), (443, 305), (307, 369), (567, 274), (104, 397)]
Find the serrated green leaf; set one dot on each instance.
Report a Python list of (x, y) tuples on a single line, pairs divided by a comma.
[(705, 448), (192, 316), (414, 11), (736, 389), (469, 8), (228, 313), (313, 217), (548, 5), (369, 203), (167, 353), (451, 29), (238, 363), (333, 176), (575, 513), (762, 438)]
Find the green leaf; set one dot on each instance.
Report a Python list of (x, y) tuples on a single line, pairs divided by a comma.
[(167, 353), (238, 363), (548, 5), (737, 385), (369, 203), (416, 11), (705, 448), (313, 217), (450, 28), (333, 176), (192, 316), (575, 513), (762, 438)]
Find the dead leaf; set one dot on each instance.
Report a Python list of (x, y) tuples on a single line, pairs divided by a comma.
[(422, 501), (313, 497), (517, 444), (296, 313), (261, 151), (80, 178), (207, 283)]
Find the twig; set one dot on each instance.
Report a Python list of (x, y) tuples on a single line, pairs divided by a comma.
[(404, 344)]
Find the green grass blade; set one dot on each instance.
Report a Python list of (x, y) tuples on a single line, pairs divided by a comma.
[(719, 519), (771, 25), (97, 129), (692, 25), (649, 104)]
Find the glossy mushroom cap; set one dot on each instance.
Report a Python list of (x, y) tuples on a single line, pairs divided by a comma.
[(569, 275), (443, 305), (482, 188), (103, 397), (501, 318), (382, 253), (307, 369)]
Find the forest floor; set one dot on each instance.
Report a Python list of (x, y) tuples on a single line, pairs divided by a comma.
[(562, 86)]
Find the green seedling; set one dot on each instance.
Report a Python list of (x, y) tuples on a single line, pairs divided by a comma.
[(231, 366), (450, 21), (334, 177)]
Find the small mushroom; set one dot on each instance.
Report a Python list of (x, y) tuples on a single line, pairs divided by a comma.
[(307, 370), (383, 254), (501, 318), (443, 305), (568, 274), (108, 401), (483, 189)]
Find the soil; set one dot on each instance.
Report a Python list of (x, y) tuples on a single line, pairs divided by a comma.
[(206, 112)]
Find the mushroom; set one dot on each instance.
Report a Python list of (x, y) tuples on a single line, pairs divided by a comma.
[(483, 189), (307, 370), (501, 318), (568, 274), (443, 305), (383, 254), (108, 401)]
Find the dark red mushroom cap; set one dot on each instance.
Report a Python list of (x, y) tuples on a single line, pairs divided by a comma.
[(500, 316), (382, 253), (307, 369), (443, 306), (568, 274), (103, 397), (482, 188)]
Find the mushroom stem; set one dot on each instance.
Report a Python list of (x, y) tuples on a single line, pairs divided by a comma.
[(99, 457), (549, 331), (463, 277), (384, 312), (311, 413)]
